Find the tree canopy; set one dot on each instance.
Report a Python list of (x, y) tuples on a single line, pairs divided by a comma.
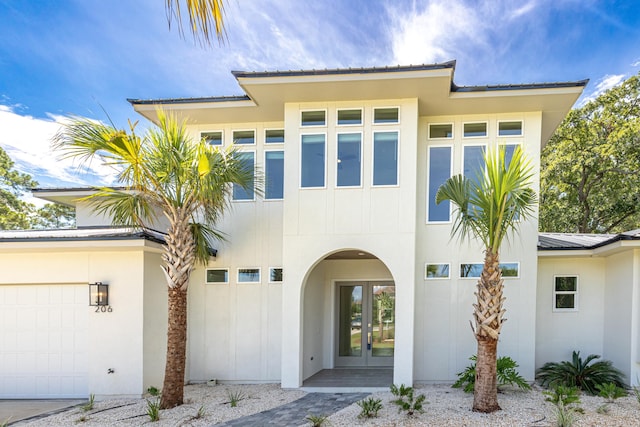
[(590, 169), (14, 212)]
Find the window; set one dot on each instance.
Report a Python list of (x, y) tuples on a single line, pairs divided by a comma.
[(509, 270), (312, 162), (247, 158), (244, 137), (565, 293), (248, 275), (510, 128), (444, 130), (274, 136), (273, 174), (474, 130), (439, 172), (275, 275), (473, 161), (385, 158), (349, 117), (217, 275), (436, 271), (385, 115), (349, 160), (314, 118), (212, 138), (508, 153)]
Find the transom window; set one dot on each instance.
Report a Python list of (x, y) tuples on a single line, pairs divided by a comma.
[(385, 158), (247, 158), (274, 136), (439, 172), (509, 270), (274, 174), (275, 274), (441, 131), (248, 275), (510, 128), (313, 118), (565, 293), (349, 117), (217, 275), (349, 160), (474, 130), (312, 161), (436, 271), (385, 115), (212, 138), (244, 137)]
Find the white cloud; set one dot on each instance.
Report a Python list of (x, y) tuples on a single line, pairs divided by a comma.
[(524, 9), (604, 84)]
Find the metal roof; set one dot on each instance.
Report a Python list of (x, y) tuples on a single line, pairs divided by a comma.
[(82, 234), (577, 241)]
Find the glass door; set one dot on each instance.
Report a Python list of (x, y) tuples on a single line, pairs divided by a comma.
[(365, 334)]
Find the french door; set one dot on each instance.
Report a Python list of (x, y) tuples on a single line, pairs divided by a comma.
[(365, 327)]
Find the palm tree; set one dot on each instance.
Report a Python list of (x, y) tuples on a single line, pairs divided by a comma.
[(163, 173), (488, 209), (206, 18)]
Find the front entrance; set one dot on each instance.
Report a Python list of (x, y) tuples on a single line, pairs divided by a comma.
[(365, 331)]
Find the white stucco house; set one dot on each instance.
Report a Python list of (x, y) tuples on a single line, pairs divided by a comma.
[(345, 261)]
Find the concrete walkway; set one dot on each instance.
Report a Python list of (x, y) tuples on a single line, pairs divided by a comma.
[(294, 413), (23, 409)]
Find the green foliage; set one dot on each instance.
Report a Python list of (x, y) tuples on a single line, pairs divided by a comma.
[(5, 423), (153, 409), (15, 214), (565, 416), (406, 400), (317, 420), (153, 391), (580, 373), (564, 395), (610, 391), (636, 393), (235, 397), (506, 375), (89, 405), (369, 407), (54, 215), (201, 413), (590, 167)]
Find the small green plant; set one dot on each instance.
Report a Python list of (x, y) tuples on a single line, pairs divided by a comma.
[(636, 392), (235, 397), (610, 392), (153, 409), (153, 391), (369, 407), (201, 413), (89, 405), (405, 399), (580, 373), (565, 416), (603, 409), (5, 423), (316, 420), (506, 375), (563, 395)]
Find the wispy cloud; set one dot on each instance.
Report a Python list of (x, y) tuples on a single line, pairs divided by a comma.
[(604, 84)]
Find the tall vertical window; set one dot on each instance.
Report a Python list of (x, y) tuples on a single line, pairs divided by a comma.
[(349, 159), (248, 160), (273, 174), (565, 293), (508, 153), (212, 138), (312, 161), (244, 137), (473, 162), (385, 158), (439, 172)]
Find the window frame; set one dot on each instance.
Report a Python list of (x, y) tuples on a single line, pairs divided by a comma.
[(373, 158), (253, 198), (486, 134), (275, 281), (309, 110), (273, 143), (214, 131), (440, 138), (426, 277), (207, 282), (576, 298), (264, 166), (451, 148), (349, 109), (324, 186), (361, 159), (248, 268), (233, 139), (510, 121), (373, 115)]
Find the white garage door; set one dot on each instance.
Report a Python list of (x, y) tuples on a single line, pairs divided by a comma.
[(43, 341)]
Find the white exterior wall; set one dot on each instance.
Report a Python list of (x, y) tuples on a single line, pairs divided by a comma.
[(155, 311), (444, 340)]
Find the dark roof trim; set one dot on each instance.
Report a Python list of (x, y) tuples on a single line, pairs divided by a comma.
[(206, 99), (71, 189), (555, 241), (524, 86)]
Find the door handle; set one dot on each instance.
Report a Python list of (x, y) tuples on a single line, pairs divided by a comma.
[(368, 340)]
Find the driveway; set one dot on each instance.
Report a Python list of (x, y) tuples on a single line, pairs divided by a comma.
[(20, 409)]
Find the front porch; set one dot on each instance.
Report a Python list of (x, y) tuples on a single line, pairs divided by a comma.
[(349, 380)]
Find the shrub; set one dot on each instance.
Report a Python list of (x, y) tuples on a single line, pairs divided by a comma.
[(582, 374), (405, 399), (153, 391), (369, 407), (506, 374), (565, 416), (610, 392), (153, 409), (235, 397), (89, 405), (563, 395), (316, 420)]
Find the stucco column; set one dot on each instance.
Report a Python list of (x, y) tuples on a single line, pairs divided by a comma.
[(291, 330)]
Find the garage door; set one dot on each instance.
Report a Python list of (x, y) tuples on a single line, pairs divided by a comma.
[(43, 341)]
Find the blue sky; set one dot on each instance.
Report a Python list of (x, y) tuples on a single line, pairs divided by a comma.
[(85, 57)]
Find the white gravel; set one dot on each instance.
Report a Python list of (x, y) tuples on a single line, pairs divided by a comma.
[(445, 407)]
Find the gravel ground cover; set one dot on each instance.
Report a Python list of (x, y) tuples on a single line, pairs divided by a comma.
[(445, 407)]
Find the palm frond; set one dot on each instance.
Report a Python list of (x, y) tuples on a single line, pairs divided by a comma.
[(206, 18)]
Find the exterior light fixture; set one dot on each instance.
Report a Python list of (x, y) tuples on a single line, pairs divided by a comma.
[(98, 294)]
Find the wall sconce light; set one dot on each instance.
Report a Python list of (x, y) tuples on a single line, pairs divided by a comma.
[(98, 294)]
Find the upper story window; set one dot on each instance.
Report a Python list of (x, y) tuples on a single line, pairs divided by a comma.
[(274, 136), (386, 115), (440, 159), (385, 158), (248, 275), (312, 160), (240, 193), (474, 130), (274, 174), (217, 275), (244, 137), (436, 271), (509, 270), (275, 275), (314, 118), (510, 128), (212, 138), (441, 131), (349, 117), (565, 293), (473, 161), (349, 160), (508, 152)]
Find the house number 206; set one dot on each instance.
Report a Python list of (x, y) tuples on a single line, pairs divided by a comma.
[(104, 309)]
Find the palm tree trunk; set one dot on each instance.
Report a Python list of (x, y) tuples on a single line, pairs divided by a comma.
[(173, 387), (485, 392)]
